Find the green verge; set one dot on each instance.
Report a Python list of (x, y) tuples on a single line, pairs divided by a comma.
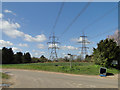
[(4, 76), (77, 67)]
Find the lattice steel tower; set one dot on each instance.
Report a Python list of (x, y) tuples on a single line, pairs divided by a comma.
[(83, 41), (53, 45)]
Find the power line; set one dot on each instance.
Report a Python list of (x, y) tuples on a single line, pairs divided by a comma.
[(98, 19), (80, 13), (57, 18), (93, 37)]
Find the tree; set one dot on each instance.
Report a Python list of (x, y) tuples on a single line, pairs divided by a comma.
[(4, 53), (66, 59), (0, 56), (35, 60), (106, 51), (79, 58), (7, 56), (18, 58), (27, 58), (11, 55), (88, 58), (43, 59)]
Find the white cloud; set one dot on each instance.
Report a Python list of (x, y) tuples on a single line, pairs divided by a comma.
[(34, 50), (15, 49), (9, 11), (42, 52), (63, 47), (74, 39), (9, 44), (41, 46), (53, 45), (23, 45), (37, 53), (10, 25), (65, 55), (68, 48), (38, 38), (79, 40), (11, 30), (5, 43), (1, 15)]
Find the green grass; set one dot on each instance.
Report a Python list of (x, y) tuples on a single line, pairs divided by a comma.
[(77, 67), (4, 76)]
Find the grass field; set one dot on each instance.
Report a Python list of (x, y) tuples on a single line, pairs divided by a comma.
[(77, 67)]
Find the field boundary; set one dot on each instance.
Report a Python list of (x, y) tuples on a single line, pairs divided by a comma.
[(83, 75)]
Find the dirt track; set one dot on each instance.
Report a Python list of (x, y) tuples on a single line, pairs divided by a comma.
[(41, 79)]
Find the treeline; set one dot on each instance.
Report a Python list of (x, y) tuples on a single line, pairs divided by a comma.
[(8, 57), (107, 54), (42, 59)]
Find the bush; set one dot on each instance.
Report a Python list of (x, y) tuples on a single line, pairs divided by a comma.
[(106, 51)]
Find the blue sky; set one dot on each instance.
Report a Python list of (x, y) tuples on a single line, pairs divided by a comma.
[(32, 19)]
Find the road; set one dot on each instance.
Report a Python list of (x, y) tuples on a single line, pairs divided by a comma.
[(43, 79)]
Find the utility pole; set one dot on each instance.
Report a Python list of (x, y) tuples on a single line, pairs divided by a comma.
[(83, 41), (71, 58), (53, 45)]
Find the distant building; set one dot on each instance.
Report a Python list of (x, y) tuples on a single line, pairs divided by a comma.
[(115, 36)]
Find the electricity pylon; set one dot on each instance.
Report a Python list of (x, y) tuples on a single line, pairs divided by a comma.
[(53, 45), (83, 41)]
